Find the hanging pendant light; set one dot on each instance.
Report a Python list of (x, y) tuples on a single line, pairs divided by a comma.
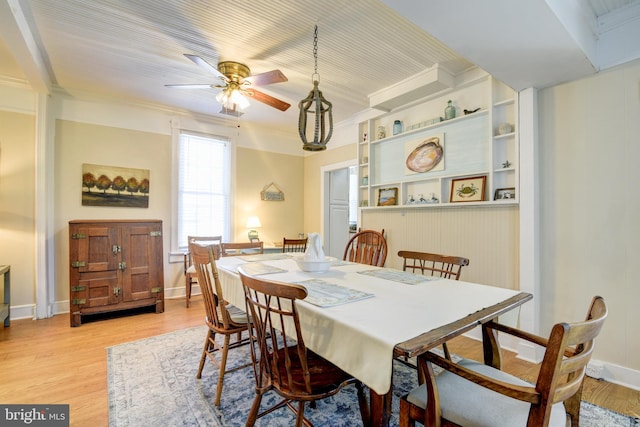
[(315, 138)]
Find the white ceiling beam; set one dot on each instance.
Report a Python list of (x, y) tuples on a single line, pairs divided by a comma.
[(523, 43), (619, 40), (17, 35)]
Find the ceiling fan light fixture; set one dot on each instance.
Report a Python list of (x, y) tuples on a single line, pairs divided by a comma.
[(239, 99), (315, 138), (230, 98)]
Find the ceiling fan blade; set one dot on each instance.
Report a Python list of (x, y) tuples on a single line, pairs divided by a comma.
[(269, 100), (204, 64), (195, 86), (274, 76)]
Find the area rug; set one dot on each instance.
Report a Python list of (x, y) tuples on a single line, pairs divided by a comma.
[(152, 382)]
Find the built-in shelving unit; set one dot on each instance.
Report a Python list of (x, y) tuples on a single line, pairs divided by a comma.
[(482, 143)]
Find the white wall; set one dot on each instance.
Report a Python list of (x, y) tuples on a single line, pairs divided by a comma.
[(590, 240)]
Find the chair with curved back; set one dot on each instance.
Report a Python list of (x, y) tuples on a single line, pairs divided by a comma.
[(190, 275), (448, 267), (281, 361), (221, 317), (294, 245), (445, 266), (367, 247), (472, 393), (245, 248)]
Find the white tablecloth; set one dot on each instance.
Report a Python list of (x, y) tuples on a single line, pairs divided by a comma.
[(359, 336)]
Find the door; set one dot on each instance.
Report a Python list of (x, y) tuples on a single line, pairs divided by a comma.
[(337, 230)]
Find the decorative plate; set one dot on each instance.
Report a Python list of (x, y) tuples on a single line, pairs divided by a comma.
[(425, 156)]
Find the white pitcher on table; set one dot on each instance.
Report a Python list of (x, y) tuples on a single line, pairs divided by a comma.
[(314, 250)]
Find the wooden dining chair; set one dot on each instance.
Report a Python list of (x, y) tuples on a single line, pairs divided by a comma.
[(448, 267), (221, 317), (367, 247), (294, 245), (190, 274), (281, 361), (445, 266), (245, 248), (471, 393)]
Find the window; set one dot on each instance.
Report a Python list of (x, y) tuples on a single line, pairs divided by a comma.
[(203, 186)]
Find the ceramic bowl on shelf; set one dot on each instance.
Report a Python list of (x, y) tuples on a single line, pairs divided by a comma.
[(315, 266)]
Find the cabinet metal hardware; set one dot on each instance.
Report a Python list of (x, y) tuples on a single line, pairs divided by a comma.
[(78, 264), (77, 236), (116, 249), (156, 290), (116, 291), (78, 288), (122, 265), (78, 301), (155, 233)]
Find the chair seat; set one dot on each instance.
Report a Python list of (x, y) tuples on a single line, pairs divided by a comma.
[(237, 315), (466, 403), (324, 378)]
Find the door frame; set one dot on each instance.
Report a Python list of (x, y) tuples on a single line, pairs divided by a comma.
[(324, 198)]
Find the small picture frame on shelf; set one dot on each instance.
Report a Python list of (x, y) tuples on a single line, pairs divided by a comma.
[(387, 196), (505, 194), (469, 189)]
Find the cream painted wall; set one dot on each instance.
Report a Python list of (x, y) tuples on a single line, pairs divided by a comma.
[(17, 203), (78, 143), (256, 169), (590, 240)]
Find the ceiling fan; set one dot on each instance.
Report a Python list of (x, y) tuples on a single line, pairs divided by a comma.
[(236, 84)]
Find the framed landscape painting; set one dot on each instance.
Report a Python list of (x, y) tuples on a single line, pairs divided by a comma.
[(115, 186), (387, 197)]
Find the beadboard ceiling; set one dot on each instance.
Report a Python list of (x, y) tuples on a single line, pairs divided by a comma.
[(130, 49)]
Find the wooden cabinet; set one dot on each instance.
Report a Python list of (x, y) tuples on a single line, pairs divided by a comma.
[(114, 265), (481, 143)]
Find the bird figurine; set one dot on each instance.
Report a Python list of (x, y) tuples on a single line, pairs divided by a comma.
[(467, 112)]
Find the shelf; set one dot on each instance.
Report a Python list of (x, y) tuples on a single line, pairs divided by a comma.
[(504, 103), (448, 205), (504, 135), (430, 127), (471, 147)]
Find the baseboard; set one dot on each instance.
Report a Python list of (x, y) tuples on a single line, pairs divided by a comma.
[(62, 307), (597, 369), (19, 312)]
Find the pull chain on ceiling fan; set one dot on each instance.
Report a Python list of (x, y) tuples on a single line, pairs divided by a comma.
[(236, 84)]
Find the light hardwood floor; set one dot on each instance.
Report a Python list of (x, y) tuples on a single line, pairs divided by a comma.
[(48, 362)]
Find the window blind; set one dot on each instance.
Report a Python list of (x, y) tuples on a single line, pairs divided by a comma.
[(203, 187)]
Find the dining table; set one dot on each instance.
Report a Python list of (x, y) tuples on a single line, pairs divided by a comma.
[(361, 317)]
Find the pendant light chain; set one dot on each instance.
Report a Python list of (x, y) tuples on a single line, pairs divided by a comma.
[(315, 52)]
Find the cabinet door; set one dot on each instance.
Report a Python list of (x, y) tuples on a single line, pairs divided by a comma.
[(95, 280), (98, 248), (142, 254), (96, 289)]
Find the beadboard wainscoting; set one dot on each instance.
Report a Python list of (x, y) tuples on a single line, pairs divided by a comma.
[(488, 236)]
